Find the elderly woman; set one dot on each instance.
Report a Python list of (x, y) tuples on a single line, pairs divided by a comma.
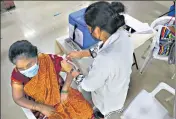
[(37, 85)]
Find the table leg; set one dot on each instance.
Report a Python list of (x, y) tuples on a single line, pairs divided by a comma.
[(148, 58), (173, 76), (143, 56), (135, 61)]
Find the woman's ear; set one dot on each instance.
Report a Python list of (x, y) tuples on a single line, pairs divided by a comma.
[(97, 32)]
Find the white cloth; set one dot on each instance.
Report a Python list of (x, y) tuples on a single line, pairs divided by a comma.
[(109, 77)]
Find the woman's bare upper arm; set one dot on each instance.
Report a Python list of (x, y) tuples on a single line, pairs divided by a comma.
[(17, 90), (62, 70)]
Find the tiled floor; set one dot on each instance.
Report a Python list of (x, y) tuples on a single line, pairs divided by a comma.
[(35, 21)]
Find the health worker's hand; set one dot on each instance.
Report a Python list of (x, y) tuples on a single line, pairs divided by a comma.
[(74, 55)]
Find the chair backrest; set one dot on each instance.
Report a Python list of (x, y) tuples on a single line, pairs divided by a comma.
[(146, 106), (157, 25), (162, 21), (162, 86), (28, 113)]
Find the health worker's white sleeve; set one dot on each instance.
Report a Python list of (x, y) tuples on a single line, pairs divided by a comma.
[(96, 77)]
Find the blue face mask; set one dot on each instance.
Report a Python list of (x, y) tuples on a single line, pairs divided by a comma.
[(31, 72)]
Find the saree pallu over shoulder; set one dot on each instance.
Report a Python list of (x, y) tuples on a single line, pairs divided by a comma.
[(44, 88)]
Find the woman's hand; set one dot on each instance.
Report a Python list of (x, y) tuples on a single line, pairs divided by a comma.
[(46, 109), (66, 66), (74, 55), (64, 96)]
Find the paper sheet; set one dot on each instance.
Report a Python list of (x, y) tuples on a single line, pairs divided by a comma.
[(137, 25), (78, 35)]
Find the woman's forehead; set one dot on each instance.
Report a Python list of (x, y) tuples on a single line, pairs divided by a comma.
[(23, 61)]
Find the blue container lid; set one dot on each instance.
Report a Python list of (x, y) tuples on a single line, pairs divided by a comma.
[(78, 16)]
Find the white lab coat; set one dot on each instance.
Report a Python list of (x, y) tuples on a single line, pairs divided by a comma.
[(109, 77)]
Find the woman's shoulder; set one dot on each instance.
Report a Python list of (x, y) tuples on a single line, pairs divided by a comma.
[(52, 56), (16, 76)]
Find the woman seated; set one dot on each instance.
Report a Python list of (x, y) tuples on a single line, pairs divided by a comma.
[(37, 85)]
